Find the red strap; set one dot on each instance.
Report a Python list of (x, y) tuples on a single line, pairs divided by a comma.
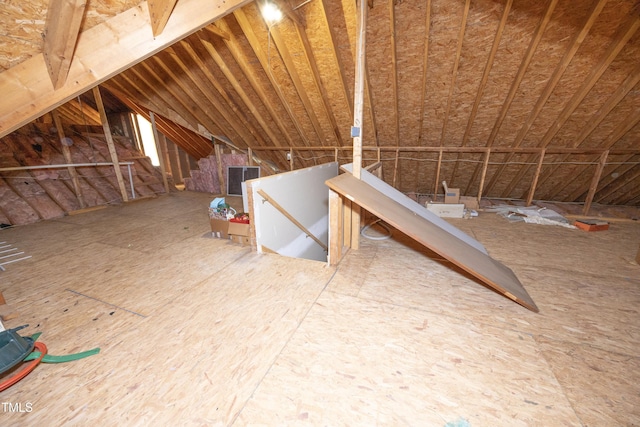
[(26, 368)]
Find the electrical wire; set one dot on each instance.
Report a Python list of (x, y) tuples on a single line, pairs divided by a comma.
[(364, 234)]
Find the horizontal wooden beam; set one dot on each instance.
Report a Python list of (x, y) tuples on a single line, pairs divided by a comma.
[(523, 150), (101, 52)]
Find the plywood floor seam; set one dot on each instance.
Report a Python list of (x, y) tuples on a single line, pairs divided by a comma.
[(391, 336)]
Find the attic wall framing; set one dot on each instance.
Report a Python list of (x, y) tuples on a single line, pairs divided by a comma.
[(486, 152)]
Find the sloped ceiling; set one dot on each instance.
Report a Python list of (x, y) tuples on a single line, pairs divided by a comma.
[(494, 96)]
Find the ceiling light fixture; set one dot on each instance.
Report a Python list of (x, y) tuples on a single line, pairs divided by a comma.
[(271, 13)]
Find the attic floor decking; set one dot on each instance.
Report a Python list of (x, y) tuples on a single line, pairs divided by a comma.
[(197, 331)]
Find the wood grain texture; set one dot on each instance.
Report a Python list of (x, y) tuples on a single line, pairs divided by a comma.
[(199, 331)]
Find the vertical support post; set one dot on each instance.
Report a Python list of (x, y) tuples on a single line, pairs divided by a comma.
[(178, 178), (594, 183), (436, 183), (165, 153), (347, 213), (218, 151), (335, 155), (485, 165), (291, 159), (358, 107), (395, 167), (536, 176), (110, 144), (252, 224), (156, 138), (250, 156), (66, 152), (335, 228)]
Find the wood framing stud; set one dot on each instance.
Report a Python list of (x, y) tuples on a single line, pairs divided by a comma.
[(594, 183), (536, 176), (159, 12), (60, 35), (109, 139)]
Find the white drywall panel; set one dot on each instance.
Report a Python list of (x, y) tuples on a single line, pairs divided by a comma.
[(304, 195)]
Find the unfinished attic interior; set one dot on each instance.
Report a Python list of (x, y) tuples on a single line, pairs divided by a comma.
[(458, 181)]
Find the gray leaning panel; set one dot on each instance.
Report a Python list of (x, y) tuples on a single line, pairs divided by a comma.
[(414, 206), (482, 266)]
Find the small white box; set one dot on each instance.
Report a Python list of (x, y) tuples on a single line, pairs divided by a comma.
[(447, 210)]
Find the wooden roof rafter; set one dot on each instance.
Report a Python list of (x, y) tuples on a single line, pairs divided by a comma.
[(275, 139), (623, 127), (101, 52), (629, 177), (148, 80), (343, 78), (249, 73), (483, 82), (454, 72), (244, 23), (125, 89), (317, 80), (423, 92), (190, 141), (596, 72), (301, 91), (553, 81), (596, 119), (515, 84), (207, 106)]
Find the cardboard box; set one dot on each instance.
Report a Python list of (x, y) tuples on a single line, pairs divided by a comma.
[(219, 228), (452, 196), (469, 202), (239, 232), (451, 210), (238, 228)]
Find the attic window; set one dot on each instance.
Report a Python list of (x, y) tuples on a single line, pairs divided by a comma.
[(148, 143)]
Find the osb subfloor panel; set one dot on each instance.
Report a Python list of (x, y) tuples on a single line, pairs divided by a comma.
[(199, 331)]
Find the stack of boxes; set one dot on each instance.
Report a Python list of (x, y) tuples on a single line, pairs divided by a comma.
[(452, 208), (225, 225)]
